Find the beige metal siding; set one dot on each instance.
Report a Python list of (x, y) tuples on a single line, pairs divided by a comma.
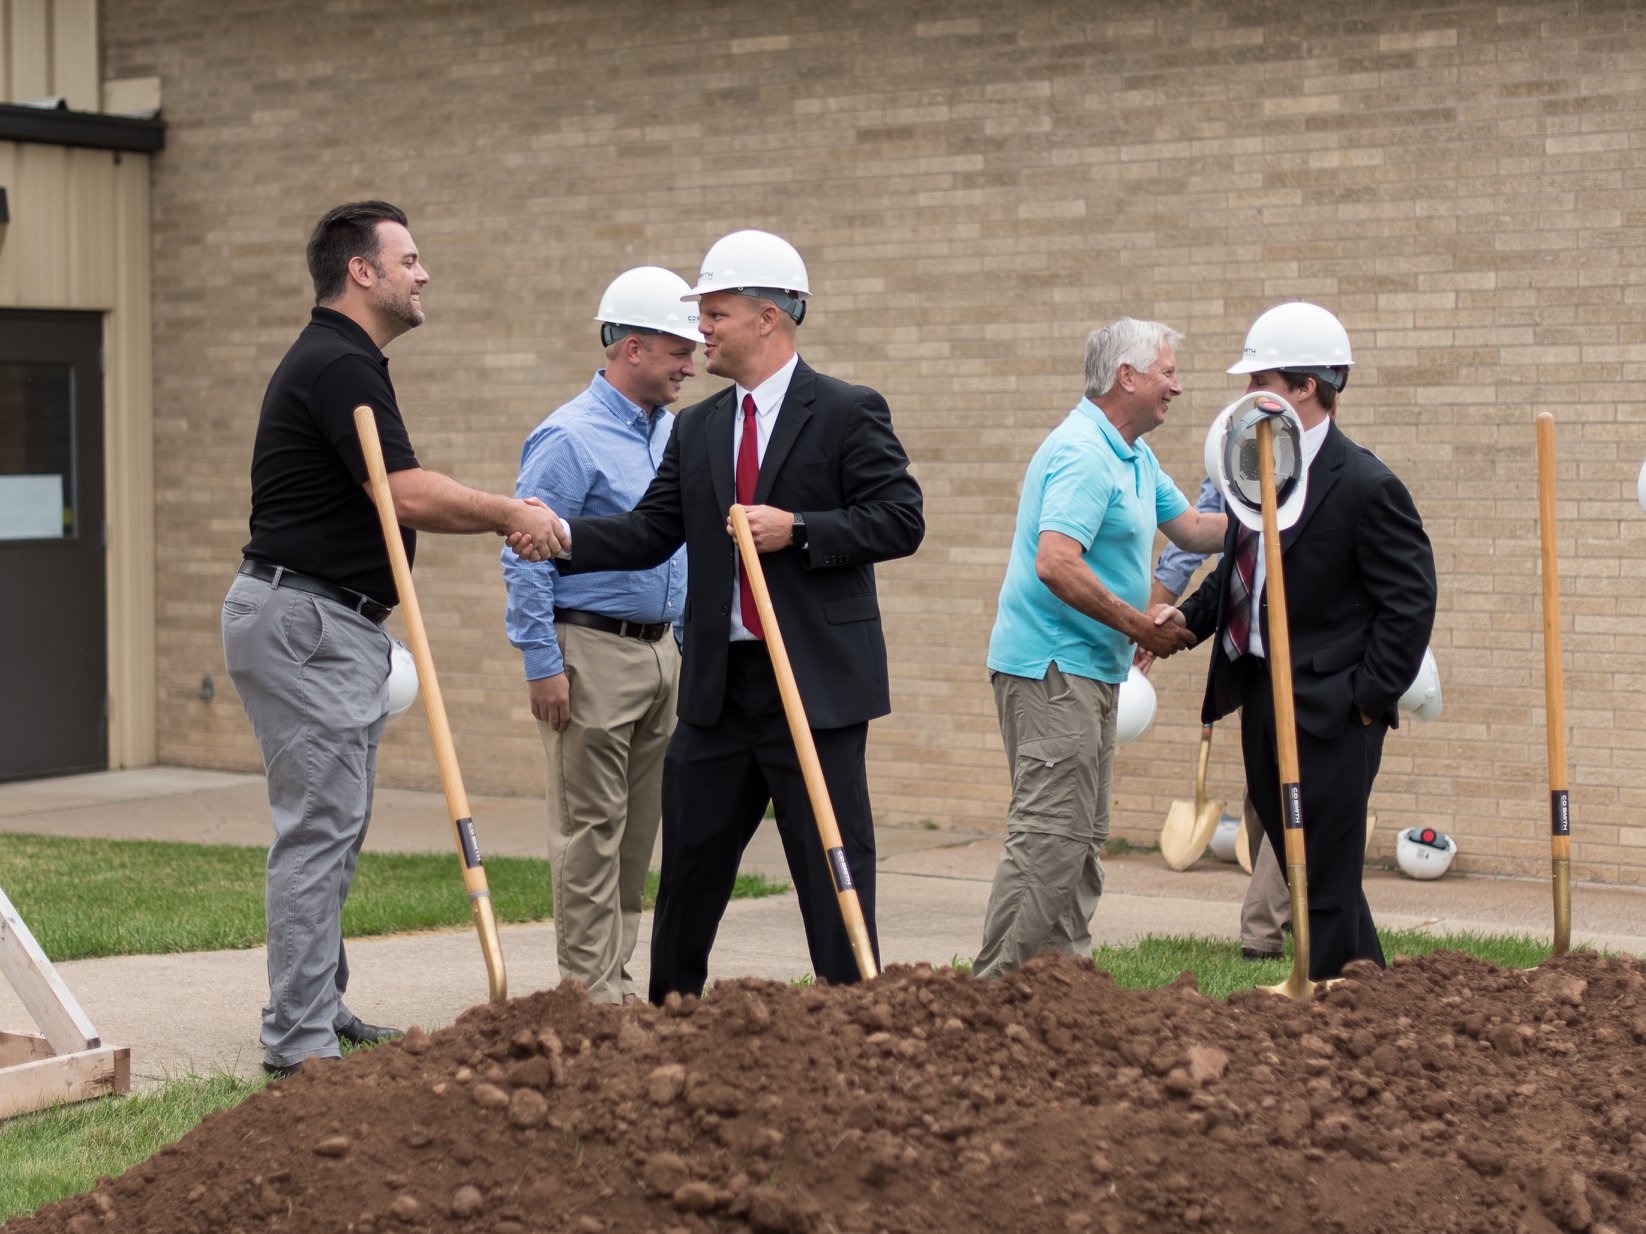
[(49, 48), (79, 239)]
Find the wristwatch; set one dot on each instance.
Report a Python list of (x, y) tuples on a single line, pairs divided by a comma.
[(798, 536)]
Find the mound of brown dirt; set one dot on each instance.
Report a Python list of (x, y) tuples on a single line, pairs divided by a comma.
[(1444, 1095)]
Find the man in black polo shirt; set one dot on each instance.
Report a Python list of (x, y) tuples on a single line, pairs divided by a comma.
[(302, 623)]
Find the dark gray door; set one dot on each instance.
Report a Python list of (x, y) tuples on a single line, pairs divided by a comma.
[(53, 637)]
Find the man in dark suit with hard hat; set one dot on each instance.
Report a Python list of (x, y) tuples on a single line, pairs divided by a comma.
[(1360, 602)]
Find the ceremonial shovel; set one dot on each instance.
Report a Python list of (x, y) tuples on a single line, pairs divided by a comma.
[(828, 830), (1189, 824), (1554, 690), (1279, 644), (445, 752)]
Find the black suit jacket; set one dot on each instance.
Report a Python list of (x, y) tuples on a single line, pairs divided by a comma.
[(832, 458), (1360, 596)]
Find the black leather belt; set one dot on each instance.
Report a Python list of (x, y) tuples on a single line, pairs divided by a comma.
[(611, 625), (279, 576)]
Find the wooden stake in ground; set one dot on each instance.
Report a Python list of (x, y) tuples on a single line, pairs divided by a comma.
[(851, 911), (445, 752), (1279, 645), (1554, 690)]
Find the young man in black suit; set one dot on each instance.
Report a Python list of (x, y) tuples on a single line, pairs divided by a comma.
[(1360, 599), (829, 494)]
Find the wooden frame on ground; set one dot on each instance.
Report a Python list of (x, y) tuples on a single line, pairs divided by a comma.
[(69, 1062)]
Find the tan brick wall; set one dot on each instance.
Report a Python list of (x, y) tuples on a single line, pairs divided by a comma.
[(973, 187)]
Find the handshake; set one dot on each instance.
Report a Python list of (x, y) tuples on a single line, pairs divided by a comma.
[(1160, 633), (536, 532)]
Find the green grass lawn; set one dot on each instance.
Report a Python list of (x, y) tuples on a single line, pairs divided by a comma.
[(1221, 971), (87, 898), (64, 1151)]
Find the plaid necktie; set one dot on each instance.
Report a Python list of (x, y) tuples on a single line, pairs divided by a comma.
[(1237, 629), (748, 474)]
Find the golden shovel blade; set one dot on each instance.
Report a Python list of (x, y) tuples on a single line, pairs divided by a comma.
[(1189, 824)]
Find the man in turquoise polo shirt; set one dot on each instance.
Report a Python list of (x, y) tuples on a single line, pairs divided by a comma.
[(1070, 610)]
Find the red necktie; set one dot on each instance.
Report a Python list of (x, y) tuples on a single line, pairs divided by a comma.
[(1237, 627), (748, 473)]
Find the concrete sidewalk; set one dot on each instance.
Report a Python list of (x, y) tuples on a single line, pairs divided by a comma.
[(198, 1012)]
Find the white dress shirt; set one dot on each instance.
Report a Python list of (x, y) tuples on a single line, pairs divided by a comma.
[(768, 400)]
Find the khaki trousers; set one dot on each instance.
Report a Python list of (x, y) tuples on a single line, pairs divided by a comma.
[(605, 800), (1267, 909), (1059, 737)]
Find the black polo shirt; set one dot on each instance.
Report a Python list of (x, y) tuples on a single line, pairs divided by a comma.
[(309, 511)]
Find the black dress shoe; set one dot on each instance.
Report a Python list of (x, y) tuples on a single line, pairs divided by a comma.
[(358, 1032), (275, 1072), (1252, 953)]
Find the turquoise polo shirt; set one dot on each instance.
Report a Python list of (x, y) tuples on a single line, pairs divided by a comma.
[(1087, 483)]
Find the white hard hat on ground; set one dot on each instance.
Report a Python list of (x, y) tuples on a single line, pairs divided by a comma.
[(402, 678), (1423, 852), (1224, 838), (647, 298), (1134, 708), (1298, 338), (1422, 697), (1232, 462), (755, 263)]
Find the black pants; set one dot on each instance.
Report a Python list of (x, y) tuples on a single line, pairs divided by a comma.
[(717, 783), (1336, 776)]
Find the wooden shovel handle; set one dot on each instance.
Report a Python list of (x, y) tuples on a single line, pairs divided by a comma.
[(445, 751), (1279, 646), (1554, 690), (828, 830)]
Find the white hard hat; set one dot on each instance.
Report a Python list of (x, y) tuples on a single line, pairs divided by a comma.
[(1424, 852), (402, 678), (1231, 458), (1422, 697), (1134, 708), (1297, 337), (1224, 836), (755, 263), (648, 298), (1640, 486)]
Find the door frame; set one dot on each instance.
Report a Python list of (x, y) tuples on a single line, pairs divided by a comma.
[(78, 741), (84, 217)]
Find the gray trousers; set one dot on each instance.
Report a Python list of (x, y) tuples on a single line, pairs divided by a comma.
[(1059, 737), (313, 677)]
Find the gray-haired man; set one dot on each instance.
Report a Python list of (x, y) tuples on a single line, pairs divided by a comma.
[(1071, 608)]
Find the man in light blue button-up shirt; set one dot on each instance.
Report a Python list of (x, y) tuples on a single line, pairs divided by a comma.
[(601, 650)]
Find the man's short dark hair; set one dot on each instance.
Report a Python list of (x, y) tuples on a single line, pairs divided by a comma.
[(347, 231), (1325, 391)]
